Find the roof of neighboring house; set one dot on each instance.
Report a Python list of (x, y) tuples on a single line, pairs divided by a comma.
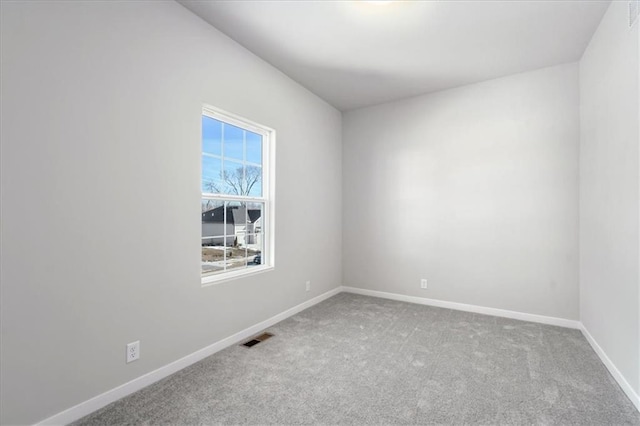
[(254, 214), (235, 215)]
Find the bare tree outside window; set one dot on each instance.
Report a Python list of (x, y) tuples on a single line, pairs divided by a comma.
[(240, 181)]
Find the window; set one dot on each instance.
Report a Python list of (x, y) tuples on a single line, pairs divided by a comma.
[(237, 196)]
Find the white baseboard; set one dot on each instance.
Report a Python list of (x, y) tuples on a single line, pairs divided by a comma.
[(87, 407), (626, 387), (561, 322)]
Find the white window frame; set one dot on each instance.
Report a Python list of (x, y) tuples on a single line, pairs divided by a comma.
[(268, 194)]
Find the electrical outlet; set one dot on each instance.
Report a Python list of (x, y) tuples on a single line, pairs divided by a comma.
[(423, 283), (133, 351), (308, 286)]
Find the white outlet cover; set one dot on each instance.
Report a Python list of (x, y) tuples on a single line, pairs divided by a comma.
[(308, 285), (133, 351)]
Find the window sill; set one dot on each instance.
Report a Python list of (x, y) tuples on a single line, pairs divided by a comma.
[(217, 279)]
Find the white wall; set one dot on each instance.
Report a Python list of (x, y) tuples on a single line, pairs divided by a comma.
[(475, 189), (101, 105), (609, 202)]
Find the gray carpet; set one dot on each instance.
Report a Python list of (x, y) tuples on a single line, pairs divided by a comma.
[(363, 360)]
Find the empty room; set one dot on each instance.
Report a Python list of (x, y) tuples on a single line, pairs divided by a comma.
[(411, 212)]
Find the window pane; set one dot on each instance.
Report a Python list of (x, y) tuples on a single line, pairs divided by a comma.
[(254, 250), (255, 213), (212, 174), (237, 179), (254, 148), (233, 179), (212, 222), (211, 207), (253, 181), (211, 136), (237, 259), (213, 250), (233, 142), (237, 216), (254, 238)]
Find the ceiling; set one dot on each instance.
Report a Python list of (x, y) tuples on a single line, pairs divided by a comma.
[(359, 53)]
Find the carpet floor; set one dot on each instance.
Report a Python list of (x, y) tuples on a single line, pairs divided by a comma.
[(362, 360)]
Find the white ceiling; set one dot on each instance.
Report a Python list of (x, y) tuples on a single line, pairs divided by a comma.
[(359, 53)]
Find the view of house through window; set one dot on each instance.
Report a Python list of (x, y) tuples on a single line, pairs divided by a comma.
[(234, 195)]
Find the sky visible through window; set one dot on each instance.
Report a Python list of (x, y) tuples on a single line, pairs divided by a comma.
[(231, 160)]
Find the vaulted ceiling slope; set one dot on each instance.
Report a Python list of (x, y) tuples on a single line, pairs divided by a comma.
[(359, 53)]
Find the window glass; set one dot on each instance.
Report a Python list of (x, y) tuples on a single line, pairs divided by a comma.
[(254, 148), (233, 138), (211, 136), (235, 233)]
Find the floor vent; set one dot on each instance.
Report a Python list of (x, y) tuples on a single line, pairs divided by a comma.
[(257, 339)]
